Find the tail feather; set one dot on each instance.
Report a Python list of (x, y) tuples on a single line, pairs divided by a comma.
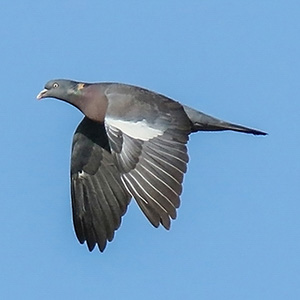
[(203, 122)]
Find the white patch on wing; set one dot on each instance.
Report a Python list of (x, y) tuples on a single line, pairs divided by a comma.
[(81, 174), (137, 130)]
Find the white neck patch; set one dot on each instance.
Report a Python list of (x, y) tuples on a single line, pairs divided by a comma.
[(137, 130)]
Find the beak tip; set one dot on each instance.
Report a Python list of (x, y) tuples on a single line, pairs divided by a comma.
[(41, 94)]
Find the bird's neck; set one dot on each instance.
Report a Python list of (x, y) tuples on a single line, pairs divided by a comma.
[(92, 105)]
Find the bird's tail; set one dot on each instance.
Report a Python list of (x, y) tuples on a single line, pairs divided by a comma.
[(203, 122)]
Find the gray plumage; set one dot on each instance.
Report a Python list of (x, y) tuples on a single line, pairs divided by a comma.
[(131, 143)]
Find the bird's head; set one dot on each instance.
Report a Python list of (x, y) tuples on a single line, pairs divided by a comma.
[(62, 89), (87, 97)]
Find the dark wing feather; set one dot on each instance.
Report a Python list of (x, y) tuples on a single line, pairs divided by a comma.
[(99, 198), (153, 171)]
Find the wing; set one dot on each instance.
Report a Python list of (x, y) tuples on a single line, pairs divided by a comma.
[(150, 152), (99, 198)]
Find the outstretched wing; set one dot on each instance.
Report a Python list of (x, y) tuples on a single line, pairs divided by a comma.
[(99, 198), (149, 150)]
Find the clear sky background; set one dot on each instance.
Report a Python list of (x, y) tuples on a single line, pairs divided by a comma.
[(237, 235)]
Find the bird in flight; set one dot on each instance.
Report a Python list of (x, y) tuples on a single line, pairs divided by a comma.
[(131, 143)]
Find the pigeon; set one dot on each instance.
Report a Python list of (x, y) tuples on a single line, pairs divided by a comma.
[(131, 143)]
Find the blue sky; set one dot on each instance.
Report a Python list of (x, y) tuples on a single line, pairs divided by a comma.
[(237, 232)]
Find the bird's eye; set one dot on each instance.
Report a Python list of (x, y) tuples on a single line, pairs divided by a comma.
[(55, 85)]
